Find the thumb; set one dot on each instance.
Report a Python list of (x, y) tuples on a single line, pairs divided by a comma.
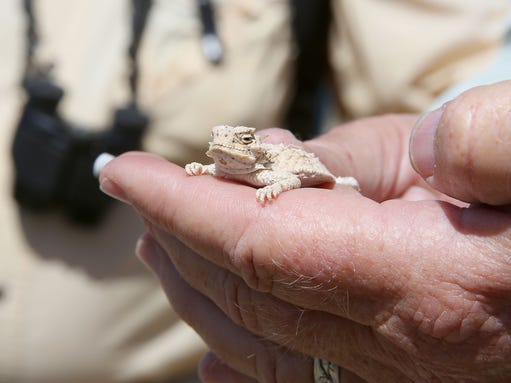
[(463, 149)]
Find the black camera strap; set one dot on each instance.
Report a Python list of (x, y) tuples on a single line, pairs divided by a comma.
[(32, 38), (140, 11), (311, 21)]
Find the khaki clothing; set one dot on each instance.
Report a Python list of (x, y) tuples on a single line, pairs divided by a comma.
[(399, 56), (75, 304)]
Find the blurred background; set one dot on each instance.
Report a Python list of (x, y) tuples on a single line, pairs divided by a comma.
[(75, 304)]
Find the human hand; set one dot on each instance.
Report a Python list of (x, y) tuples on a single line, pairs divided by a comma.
[(397, 285)]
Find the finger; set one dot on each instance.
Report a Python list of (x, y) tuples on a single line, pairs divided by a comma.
[(349, 377), (346, 150), (279, 136), (349, 344), (256, 357), (374, 151), (463, 149), (213, 370), (304, 330)]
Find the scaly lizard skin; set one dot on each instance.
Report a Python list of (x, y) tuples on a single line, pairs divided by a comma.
[(241, 155)]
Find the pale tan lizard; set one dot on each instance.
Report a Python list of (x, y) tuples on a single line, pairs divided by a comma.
[(240, 154)]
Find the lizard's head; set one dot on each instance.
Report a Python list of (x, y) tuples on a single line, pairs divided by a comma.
[(234, 148)]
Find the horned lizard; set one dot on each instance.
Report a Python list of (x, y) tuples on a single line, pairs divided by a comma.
[(241, 155)]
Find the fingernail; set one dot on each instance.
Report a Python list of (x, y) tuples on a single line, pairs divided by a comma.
[(100, 162), (422, 141), (113, 190)]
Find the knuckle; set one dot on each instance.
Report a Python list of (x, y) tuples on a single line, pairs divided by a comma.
[(249, 264), (282, 365), (239, 303), (265, 368)]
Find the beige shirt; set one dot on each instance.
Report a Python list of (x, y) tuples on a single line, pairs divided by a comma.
[(401, 55), (75, 304)]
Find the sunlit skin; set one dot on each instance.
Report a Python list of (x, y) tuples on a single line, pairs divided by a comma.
[(398, 284)]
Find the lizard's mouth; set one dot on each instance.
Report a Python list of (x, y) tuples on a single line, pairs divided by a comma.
[(232, 157), (230, 151)]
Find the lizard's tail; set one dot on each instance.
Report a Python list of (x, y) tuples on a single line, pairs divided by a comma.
[(348, 181)]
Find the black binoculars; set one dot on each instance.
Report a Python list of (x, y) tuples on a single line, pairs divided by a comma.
[(53, 160)]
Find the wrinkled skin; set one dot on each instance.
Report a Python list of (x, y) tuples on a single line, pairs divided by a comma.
[(398, 284)]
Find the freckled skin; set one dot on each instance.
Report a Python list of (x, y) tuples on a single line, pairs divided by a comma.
[(241, 155)]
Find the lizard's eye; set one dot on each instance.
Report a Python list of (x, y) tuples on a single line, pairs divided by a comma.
[(247, 139)]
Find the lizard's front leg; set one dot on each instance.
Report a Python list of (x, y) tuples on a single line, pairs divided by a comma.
[(196, 169)]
